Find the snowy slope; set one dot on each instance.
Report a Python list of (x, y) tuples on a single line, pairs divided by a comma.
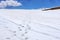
[(29, 25)]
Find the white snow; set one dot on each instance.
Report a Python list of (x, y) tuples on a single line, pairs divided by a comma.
[(29, 24)]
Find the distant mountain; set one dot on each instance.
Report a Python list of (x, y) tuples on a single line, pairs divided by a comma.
[(54, 8)]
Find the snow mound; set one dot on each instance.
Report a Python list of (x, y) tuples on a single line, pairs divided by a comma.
[(29, 24)]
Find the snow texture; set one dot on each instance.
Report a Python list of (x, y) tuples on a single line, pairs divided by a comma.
[(29, 25)]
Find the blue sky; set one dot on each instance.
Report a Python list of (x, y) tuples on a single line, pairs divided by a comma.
[(35, 4)]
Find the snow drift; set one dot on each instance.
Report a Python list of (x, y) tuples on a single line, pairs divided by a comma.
[(29, 24)]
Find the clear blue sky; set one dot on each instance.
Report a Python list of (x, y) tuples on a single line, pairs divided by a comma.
[(36, 4)]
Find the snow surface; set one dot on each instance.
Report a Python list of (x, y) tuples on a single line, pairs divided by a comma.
[(29, 24)]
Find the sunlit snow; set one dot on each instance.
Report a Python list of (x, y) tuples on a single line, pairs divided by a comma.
[(29, 24)]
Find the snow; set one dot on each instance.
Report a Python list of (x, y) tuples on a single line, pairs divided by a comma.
[(29, 24)]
